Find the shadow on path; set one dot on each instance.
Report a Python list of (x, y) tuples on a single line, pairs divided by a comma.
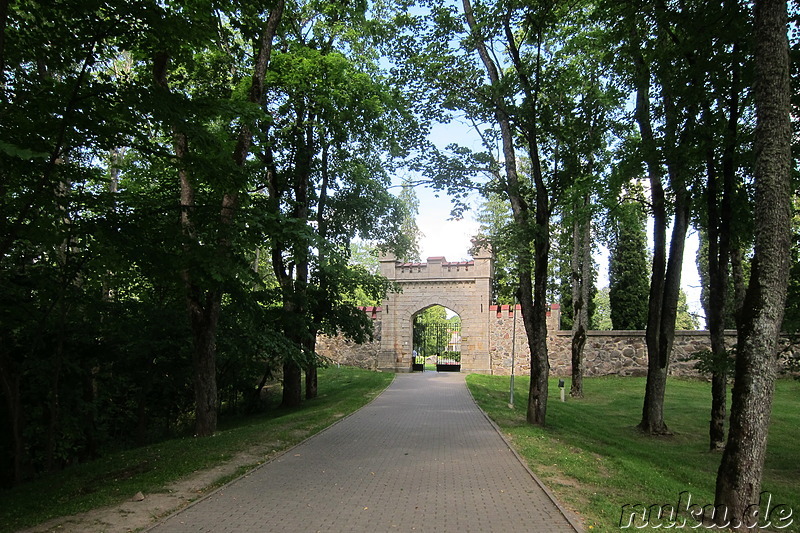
[(420, 457)]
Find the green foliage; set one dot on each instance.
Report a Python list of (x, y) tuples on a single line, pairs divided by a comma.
[(628, 264), (112, 479), (434, 333), (431, 315), (494, 217), (601, 319), (408, 226), (708, 364), (97, 257), (685, 319)]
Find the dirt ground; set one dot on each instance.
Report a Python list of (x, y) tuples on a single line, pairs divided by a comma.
[(137, 514)]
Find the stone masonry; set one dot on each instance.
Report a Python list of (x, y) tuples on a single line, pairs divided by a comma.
[(605, 353), (464, 287), (487, 331)]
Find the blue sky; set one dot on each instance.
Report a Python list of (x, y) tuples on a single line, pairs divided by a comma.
[(451, 238)]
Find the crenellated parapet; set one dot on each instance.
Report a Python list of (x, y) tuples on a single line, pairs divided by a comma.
[(462, 286), (438, 269), (374, 312), (506, 311)]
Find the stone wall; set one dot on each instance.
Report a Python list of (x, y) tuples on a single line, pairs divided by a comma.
[(621, 353), (605, 353), (346, 352)]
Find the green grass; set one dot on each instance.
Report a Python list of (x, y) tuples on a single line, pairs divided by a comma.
[(150, 469), (595, 461)]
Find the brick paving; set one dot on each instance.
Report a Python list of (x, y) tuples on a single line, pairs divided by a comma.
[(420, 457)]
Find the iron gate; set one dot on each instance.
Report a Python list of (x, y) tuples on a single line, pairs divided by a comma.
[(439, 342)]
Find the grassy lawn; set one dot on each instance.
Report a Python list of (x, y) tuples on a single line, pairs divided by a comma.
[(150, 469), (595, 461)]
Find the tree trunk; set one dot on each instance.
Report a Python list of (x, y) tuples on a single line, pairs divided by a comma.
[(718, 255), (660, 337), (529, 129), (540, 363), (581, 281), (311, 382), (719, 252), (11, 381), (739, 284), (292, 389), (719, 402), (204, 304), (311, 367), (739, 475), (652, 412), (658, 361), (204, 319), (666, 268), (532, 270), (54, 406)]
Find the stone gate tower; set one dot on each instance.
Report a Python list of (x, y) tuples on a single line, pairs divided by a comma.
[(464, 287)]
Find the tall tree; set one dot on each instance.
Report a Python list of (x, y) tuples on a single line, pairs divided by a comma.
[(601, 318), (584, 119), (336, 129), (408, 226), (739, 476), (628, 269), (655, 39), (494, 217), (721, 137), (532, 223), (204, 298), (504, 76), (581, 282)]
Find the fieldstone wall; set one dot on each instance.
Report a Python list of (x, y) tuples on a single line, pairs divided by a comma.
[(606, 352), (346, 352), (621, 353)]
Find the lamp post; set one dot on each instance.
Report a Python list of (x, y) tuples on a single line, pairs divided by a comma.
[(513, 352)]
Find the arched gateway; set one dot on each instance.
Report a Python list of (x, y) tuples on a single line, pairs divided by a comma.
[(464, 287)]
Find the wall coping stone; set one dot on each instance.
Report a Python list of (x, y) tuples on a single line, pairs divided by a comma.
[(640, 332)]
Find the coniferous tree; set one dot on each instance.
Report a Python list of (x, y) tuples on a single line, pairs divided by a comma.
[(409, 204), (628, 267), (601, 318)]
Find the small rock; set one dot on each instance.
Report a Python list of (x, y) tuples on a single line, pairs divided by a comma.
[(138, 497)]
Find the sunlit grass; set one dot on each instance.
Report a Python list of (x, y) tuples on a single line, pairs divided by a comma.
[(595, 460)]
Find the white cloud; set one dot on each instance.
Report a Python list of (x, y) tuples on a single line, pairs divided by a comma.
[(443, 237)]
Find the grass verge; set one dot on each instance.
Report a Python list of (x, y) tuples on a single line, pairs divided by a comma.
[(595, 460), (150, 469)]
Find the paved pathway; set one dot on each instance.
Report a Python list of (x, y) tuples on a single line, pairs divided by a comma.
[(420, 457)]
